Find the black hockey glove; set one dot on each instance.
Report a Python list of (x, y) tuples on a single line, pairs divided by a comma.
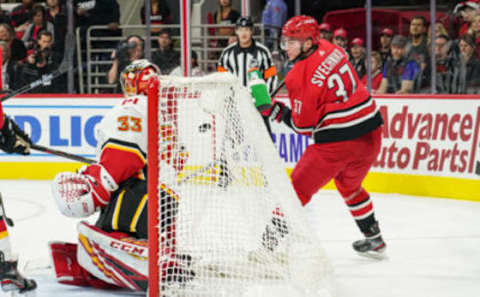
[(13, 139), (276, 111)]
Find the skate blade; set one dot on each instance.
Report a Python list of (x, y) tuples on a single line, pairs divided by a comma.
[(379, 255), (15, 292)]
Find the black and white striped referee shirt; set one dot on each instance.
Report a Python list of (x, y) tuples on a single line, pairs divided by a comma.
[(239, 60)]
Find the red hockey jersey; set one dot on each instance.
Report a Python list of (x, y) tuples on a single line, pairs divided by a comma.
[(1, 116), (327, 98)]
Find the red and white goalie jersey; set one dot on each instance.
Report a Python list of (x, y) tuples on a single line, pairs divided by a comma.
[(328, 100), (122, 138), (122, 135)]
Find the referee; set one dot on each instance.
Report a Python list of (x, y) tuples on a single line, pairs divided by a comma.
[(247, 53), (238, 58)]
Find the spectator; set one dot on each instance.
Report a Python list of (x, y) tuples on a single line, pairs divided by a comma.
[(5, 17), (39, 24), (129, 50), (57, 15), (92, 13), (43, 61), (225, 15), (417, 50), (160, 14), (470, 66), (399, 72), (239, 57), (357, 56), (17, 48), (466, 10), (447, 70), (340, 39), (376, 71), (273, 17), (325, 31), (439, 30), (21, 15), (386, 36), (196, 70), (474, 31), (165, 57), (11, 71)]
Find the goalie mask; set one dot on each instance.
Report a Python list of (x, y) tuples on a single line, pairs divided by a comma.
[(134, 78)]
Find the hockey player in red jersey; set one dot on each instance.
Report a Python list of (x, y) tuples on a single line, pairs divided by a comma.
[(114, 252), (12, 140), (330, 104)]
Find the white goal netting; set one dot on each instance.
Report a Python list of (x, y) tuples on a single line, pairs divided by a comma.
[(229, 222)]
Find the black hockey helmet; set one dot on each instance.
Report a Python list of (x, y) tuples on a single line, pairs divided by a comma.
[(244, 22)]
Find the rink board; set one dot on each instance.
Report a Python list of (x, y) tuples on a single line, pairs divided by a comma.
[(430, 143)]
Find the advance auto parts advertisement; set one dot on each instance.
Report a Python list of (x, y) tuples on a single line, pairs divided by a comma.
[(430, 137)]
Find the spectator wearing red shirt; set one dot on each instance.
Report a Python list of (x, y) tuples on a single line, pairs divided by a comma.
[(160, 14), (39, 23), (376, 71), (21, 15), (466, 10)]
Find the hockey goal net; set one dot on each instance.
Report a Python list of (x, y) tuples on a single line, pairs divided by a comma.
[(235, 226)]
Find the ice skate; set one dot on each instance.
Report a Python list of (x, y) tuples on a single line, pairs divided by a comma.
[(373, 245), (12, 281), (272, 238)]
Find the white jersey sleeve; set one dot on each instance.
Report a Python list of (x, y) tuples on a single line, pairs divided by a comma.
[(126, 122)]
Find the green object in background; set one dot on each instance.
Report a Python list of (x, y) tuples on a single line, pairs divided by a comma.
[(259, 89)]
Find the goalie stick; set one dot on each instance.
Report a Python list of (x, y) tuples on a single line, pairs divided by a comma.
[(48, 78), (62, 154)]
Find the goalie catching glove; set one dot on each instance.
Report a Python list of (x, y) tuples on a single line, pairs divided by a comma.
[(80, 194), (13, 139)]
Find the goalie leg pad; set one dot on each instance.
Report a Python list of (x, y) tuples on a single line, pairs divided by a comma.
[(67, 269), (113, 257)]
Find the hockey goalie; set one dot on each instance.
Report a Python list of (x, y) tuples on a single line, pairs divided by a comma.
[(113, 252)]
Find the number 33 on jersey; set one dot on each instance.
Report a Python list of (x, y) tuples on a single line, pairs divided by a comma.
[(126, 123), (326, 95)]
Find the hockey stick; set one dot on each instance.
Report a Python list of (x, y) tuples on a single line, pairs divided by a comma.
[(277, 89), (62, 154), (48, 78)]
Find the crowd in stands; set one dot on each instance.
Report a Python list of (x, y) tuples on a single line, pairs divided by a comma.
[(32, 39), (402, 64)]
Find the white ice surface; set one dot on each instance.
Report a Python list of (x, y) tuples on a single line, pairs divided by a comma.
[(433, 244)]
